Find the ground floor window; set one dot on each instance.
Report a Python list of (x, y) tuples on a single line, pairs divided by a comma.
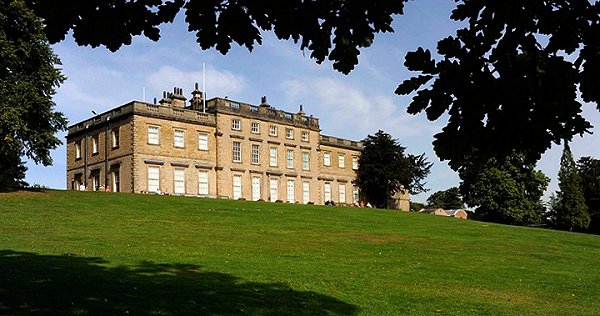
[(77, 183), (203, 182), (179, 179), (305, 192), (342, 193), (237, 187), (274, 194), (153, 179), (355, 195), (116, 181), (327, 191), (255, 188), (96, 181), (290, 191)]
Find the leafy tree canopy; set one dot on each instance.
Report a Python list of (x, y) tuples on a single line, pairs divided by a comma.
[(509, 79), (384, 169), (569, 211), (589, 172), (448, 199), (28, 77), (329, 29), (506, 191)]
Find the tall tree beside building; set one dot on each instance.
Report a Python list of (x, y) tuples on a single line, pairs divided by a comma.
[(384, 169), (589, 171), (507, 191), (448, 199), (569, 212), (29, 78)]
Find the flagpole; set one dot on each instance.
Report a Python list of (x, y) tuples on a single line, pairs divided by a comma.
[(204, 87)]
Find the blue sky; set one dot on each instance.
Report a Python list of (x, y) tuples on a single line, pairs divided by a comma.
[(350, 106)]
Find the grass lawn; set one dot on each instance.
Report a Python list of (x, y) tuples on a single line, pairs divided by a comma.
[(106, 253)]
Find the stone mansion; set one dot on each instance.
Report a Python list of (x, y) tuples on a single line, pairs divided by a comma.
[(213, 148)]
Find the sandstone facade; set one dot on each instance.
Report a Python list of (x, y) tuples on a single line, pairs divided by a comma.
[(215, 148)]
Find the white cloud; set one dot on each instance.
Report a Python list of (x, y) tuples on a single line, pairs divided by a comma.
[(342, 106), (218, 83)]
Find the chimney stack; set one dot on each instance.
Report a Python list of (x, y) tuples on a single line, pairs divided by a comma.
[(166, 99), (197, 96), (178, 100)]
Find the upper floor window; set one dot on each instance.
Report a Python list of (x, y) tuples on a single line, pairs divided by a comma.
[(153, 135), (203, 141), (236, 125), (256, 127), (179, 138), (95, 144), (237, 152), (273, 156), (354, 162), (289, 133), (304, 136), (290, 159), (305, 160), (272, 130), (255, 154), (342, 161), (115, 137), (78, 149), (326, 158)]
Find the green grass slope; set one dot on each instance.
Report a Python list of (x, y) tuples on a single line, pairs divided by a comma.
[(105, 253)]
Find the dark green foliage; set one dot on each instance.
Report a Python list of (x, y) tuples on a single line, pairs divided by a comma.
[(28, 79), (503, 80), (569, 211), (416, 206), (448, 199), (507, 191), (12, 168), (384, 169), (589, 172), (333, 30)]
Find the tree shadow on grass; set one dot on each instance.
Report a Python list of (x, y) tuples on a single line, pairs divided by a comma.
[(59, 285)]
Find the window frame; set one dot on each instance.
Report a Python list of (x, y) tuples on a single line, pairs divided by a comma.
[(289, 133), (179, 138), (236, 124), (157, 133), (203, 141), (179, 183), (115, 134), (273, 160), (236, 152), (148, 174), (273, 130), (354, 162), (327, 158), (256, 188), (203, 185), (291, 190), (305, 136), (306, 192), (95, 144), (255, 127), (341, 161), (306, 160), (342, 193), (255, 154), (289, 159), (327, 193), (239, 193), (78, 149)]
